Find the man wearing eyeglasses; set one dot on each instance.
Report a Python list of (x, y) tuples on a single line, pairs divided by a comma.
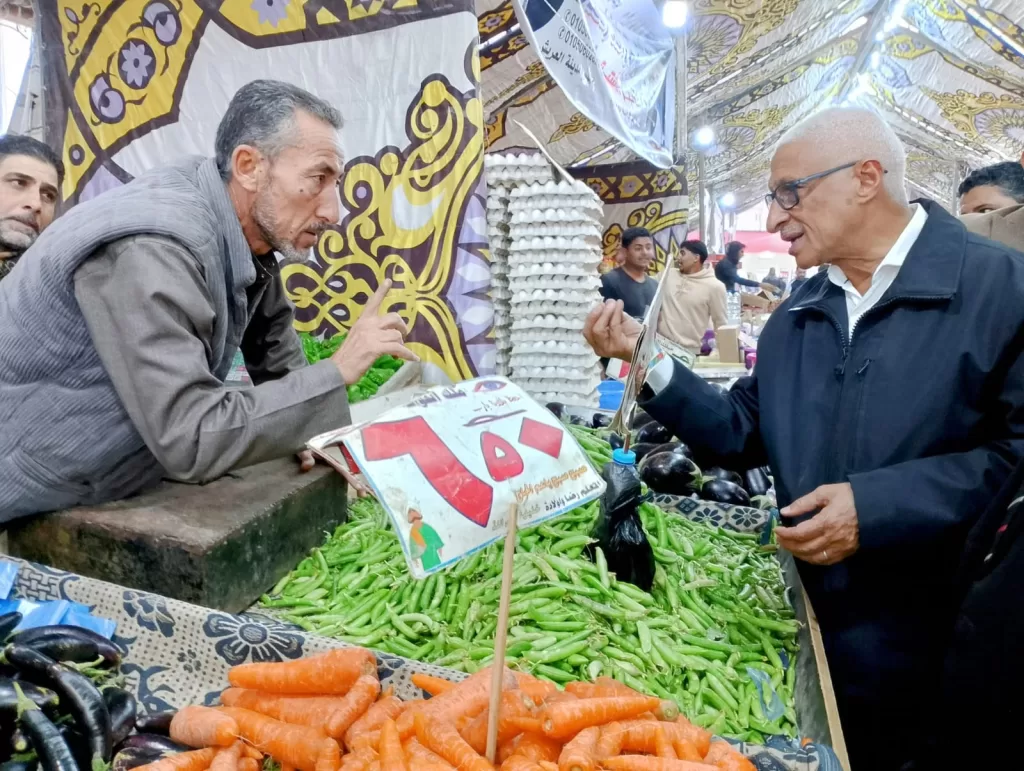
[(888, 399)]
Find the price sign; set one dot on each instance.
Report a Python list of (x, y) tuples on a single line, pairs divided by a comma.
[(448, 466)]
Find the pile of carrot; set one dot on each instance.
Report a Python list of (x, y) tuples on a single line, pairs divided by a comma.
[(327, 713)]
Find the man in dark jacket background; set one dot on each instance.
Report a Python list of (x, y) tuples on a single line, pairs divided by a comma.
[(727, 270), (889, 402)]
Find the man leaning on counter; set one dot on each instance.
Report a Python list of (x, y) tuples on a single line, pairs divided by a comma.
[(120, 324)]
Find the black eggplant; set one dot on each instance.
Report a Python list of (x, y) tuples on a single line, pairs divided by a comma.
[(128, 759), (724, 475), (652, 432), (670, 473), (641, 418), (677, 447), (576, 420), (154, 723), (721, 491), (41, 697), (78, 745), (51, 749), (70, 643), (8, 621), (78, 696), (123, 708), (557, 409), (642, 450), (757, 482), (600, 420), (152, 743), (615, 441)]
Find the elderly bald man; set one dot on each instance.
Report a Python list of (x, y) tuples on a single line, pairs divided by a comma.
[(888, 400)]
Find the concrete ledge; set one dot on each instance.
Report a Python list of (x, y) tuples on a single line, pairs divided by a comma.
[(219, 545)]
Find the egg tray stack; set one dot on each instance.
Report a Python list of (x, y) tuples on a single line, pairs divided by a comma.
[(505, 172), (498, 236), (553, 259)]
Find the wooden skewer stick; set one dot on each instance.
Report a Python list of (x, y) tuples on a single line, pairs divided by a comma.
[(501, 636)]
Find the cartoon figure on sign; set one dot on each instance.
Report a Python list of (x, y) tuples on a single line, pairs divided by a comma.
[(424, 542)]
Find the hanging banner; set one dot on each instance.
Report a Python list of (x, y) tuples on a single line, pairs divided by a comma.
[(615, 62), (448, 466)]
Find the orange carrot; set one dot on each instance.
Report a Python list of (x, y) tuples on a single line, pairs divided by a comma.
[(685, 750), (296, 745), (353, 705), (469, 697), (329, 758), (313, 711), (566, 719), (641, 735), (333, 672), (417, 755), (697, 736), (650, 763), (359, 760), (248, 764), (722, 755), (367, 739), (514, 705), (431, 684), (374, 766), (203, 727), (518, 762), (538, 747), (442, 738), (547, 765), (663, 746), (534, 687), (184, 761), (248, 751), (374, 717), (579, 754), (392, 756), (227, 759), (558, 696), (610, 743), (607, 686)]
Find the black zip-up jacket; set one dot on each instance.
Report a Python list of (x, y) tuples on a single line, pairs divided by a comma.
[(922, 412)]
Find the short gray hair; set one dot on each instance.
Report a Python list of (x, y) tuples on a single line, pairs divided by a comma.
[(856, 134), (260, 114)]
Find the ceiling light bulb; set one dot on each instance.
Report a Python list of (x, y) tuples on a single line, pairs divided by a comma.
[(705, 136), (674, 13), (728, 200)]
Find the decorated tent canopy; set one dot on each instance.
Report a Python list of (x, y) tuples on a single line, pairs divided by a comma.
[(947, 74)]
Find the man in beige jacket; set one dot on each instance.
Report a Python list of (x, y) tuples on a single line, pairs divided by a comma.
[(693, 300)]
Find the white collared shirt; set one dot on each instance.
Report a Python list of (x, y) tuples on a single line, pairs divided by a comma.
[(856, 303)]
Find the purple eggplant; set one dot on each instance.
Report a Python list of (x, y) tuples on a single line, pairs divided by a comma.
[(41, 697), (653, 433), (721, 491), (615, 441), (757, 482), (123, 709), (19, 765), (677, 447), (641, 418), (670, 473), (155, 723), (724, 475), (642, 449), (557, 409), (152, 743), (79, 698), (70, 643), (600, 420), (48, 744), (133, 757)]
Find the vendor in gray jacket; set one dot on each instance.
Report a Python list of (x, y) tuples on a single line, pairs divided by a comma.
[(119, 327)]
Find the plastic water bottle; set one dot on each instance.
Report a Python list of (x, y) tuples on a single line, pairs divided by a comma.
[(733, 306)]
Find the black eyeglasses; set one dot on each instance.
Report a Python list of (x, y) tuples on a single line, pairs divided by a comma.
[(787, 194)]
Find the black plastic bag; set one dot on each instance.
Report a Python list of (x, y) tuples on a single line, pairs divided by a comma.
[(619, 531)]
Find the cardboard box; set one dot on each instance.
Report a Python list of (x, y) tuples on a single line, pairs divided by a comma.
[(727, 341)]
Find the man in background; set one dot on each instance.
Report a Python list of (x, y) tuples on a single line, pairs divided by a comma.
[(30, 177), (776, 281), (1006, 222), (728, 269), (798, 281), (629, 282), (991, 188), (693, 300)]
